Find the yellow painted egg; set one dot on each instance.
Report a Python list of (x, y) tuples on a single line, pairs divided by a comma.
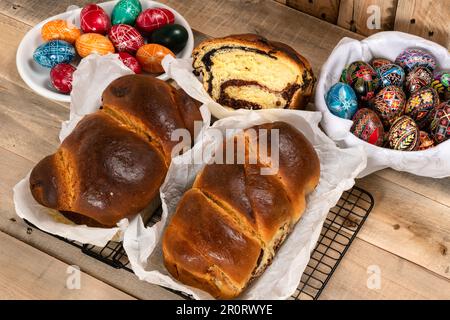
[(150, 57), (93, 43), (60, 30)]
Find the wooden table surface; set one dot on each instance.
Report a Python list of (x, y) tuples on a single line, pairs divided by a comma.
[(407, 234)]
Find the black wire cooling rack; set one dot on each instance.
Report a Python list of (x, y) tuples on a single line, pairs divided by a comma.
[(339, 230)]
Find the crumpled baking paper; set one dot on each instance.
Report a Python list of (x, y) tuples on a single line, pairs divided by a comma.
[(339, 167), (433, 162), (92, 76)]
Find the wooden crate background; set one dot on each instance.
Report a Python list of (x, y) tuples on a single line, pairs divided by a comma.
[(427, 18)]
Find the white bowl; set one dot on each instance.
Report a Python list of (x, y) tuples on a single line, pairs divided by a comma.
[(38, 77)]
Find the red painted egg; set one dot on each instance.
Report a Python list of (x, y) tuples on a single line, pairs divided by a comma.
[(425, 141), (93, 19), (150, 57), (61, 76), (153, 19), (368, 127), (130, 61), (125, 38)]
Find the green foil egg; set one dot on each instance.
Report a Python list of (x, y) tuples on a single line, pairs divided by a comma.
[(172, 36), (126, 12)]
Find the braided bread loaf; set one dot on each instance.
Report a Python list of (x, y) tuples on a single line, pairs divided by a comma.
[(227, 228), (112, 165)]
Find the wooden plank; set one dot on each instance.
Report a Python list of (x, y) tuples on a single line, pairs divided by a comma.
[(425, 18), (354, 15), (27, 273), (400, 279), (327, 10)]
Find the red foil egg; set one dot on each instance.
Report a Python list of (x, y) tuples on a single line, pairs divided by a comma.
[(125, 38), (61, 76), (152, 19), (93, 19), (130, 61)]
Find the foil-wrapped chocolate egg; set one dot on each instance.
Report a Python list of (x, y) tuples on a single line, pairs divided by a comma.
[(418, 78), (150, 57), (93, 19), (441, 83), (125, 38), (61, 76), (389, 104), (368, 127), (60, 30), (404, 134), (53, 52), (341, 100), (411, 58), (425, 141), (420, 106), (130, 61), (363, 79), (440, 124), (378, 62), (391, 75), (126, 12)]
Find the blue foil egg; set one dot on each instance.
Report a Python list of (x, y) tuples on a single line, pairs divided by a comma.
[(391, 75), (341, 100), (54, 52)]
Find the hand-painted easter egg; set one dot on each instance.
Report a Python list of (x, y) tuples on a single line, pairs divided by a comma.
[(418, 78), (126, 12), (172, 36), (363, 79), (60, 30), (93, 19), (378, 62), (410, 58), (93, 43), (420, 106), (341, 100), (150, 57), (368, 127), (441, 83), (440, 124), (425, 141), (61, 77), (130, 61), (125, 38), (343, 77), (389, 104), (53, 52), (404, 134), (391, 75), (153, 19)]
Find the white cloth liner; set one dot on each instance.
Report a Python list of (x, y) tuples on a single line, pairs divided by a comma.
[(433, 162)]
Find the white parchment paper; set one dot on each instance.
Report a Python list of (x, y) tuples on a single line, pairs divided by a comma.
[(433, 162), (92, 76), (339, 167)]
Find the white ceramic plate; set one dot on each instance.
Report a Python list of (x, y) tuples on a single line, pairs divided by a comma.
[(38, 78)]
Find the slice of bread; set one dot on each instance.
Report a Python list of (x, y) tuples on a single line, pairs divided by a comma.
[(248, 71)]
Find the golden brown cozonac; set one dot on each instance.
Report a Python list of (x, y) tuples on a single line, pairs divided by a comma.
[(112, 165), (228, 227)]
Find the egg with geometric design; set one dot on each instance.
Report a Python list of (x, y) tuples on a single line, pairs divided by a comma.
[(126, 12), (154, 18), (418, 78), (378, 62), (93, 43), (420, 106), (391, 75), (60, 30), (368, 127), (440, 124), (341, 100), (363, 79), (125, 38), (150, 57), (61, 77), (389, 104), (130, 61), (441, 83), (425, 141), (53, 52), (411, 58), (93, 19), (404, 134)]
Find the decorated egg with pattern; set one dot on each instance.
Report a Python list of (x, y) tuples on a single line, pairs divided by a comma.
[(368, 127), (391, 75), (418, 78), (343, 77), (53, 52), (93, 43), (411, 58), (441, 83), (389, 104), (172, 36), (425, 141), (125, 38), (341, 100), (404, 134), (378, 62), (440, 124), (130, 61), (153, 19), (126, 12), (363, 79), (61, 77), (150, 57), (420, 106), (93, 19), (60, 30)]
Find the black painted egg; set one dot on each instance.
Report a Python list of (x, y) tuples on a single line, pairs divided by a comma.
[(172, 36), (404, 134), (391, 75), (440, 124), (418, 78), (389, 104), (420, 106), (363, 79)]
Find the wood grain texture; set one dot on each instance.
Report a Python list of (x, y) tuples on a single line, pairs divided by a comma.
[(327, 10), (354, 15), (27, 273), (425, 18)]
